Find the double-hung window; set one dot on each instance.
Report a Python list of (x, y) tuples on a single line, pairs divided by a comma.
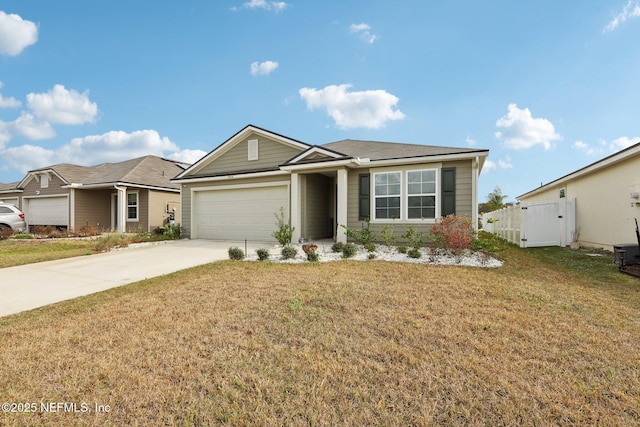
[(405, 195), (132, 206), (421, 194), (387, 194)]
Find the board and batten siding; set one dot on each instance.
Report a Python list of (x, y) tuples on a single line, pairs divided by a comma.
[(464, 202), (187, 189), (270, 155)]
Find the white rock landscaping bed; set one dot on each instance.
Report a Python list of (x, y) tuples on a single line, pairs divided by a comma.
[(383, 253)]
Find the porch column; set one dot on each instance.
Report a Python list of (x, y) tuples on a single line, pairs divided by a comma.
[(295, 208), (122, 209), (342, 205)]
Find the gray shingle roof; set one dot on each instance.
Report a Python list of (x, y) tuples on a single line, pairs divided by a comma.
[(376, 150), (9, 186), (149, 171)]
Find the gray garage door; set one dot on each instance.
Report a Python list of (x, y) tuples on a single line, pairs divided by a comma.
[(239, 214)]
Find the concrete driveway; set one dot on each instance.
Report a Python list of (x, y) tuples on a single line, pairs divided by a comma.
[(35, 285)]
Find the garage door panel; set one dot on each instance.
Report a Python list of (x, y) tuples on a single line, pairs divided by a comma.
[(239, 214), (48, 211)]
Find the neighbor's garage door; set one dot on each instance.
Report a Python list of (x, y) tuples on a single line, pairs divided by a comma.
[(48, 211), (239, 214)]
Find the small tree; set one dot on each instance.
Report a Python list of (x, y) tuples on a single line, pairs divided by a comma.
[(284, 233)]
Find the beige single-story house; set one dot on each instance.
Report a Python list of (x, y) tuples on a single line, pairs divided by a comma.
[(235, 191), (607, 195), (129, 196)]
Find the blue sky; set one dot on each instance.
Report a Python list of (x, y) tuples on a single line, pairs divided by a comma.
[(548, 86)]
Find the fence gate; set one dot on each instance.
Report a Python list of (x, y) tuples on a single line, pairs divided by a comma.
[(534, 224)]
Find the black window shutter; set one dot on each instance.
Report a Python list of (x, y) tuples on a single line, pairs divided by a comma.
[(448, 191), (364, 197)]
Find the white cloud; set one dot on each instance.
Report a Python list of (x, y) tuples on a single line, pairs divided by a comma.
[(489, 166), (505, 163), (363, 31), (623, 142), (471, 142), (10, 102), (603, 147), (114, 146), (31, 127), (630, 10), (275, 6), (187, 155), (26, 157), (63, 106), (16, 34), (263, 68), (367, 109), (522, 131)]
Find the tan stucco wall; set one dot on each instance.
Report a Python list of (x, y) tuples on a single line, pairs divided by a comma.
[(603, 207), (158, 201)]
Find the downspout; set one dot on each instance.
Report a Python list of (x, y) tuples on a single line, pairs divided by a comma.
[(122, 208), (474, 193)]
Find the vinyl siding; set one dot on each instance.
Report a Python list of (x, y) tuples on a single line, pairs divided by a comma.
[(464, 202), (93, 208), (158, 201), (270, 155)]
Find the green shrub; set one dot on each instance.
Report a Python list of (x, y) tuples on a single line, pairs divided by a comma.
[(23, 236), (263, 254), (402, 249), (414, 253), (289, 252), (236, 253), (413, 238), (313, 257), (363, 237), (387, 235), (371, 256), (284, 233), (349, 250), (370, 247), (337, 247)]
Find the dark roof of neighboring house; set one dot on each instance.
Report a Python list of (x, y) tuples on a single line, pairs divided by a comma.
[(9, 186), (376, 150), (152, 171)]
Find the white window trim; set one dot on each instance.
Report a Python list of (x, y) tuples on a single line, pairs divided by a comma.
[(404, 197), (137, 218)]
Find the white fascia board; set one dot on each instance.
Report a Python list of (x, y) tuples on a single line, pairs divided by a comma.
[(119, 184), (315, 150), (230, 176), (428, 159), (325, 165)]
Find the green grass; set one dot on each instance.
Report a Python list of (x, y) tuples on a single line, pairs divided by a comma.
[(550, 338), (19, 252)]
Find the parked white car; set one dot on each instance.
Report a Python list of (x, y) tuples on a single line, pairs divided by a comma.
[(11, 218)]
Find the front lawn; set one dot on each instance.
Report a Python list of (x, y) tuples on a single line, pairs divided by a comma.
[(19, 252), (343, 343)]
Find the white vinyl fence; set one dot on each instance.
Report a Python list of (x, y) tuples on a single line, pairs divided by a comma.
[(532, 224)]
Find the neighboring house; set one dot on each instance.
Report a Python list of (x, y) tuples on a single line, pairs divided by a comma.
[(607, 195), (9, 193), (127, 196), (234, 192)]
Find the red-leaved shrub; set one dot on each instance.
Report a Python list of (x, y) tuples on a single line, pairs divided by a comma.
[(452, 232)]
